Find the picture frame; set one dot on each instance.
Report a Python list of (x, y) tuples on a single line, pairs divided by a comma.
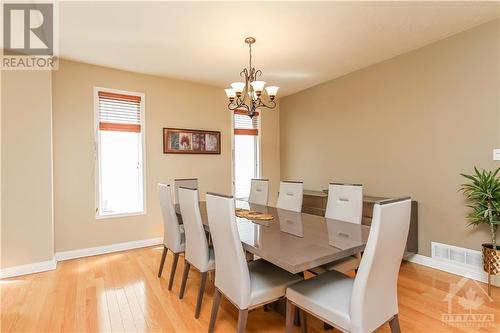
[(190, 141)]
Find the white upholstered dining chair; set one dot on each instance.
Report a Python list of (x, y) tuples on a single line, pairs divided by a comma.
[(362, 304), (185, 182), (259, 191), (246, 285), (290, 196), (345, 203), (173, 233), (197, 253)]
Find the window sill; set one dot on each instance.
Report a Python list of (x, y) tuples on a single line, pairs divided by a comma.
[(118, 215)]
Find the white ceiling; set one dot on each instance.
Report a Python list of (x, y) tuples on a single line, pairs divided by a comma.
[(298, 45)]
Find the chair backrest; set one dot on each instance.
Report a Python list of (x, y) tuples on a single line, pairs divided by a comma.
[(196, 252), (186, 182), (290, 196), (171, 230), (259, 191), (232, 277), (374, 297), (345, 202)]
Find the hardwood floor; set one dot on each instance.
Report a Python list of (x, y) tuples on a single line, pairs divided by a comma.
[(120, 292)]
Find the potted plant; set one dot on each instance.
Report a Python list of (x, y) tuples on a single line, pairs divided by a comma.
[(483, 196)]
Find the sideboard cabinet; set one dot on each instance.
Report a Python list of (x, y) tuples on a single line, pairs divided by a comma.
[(315, 203)]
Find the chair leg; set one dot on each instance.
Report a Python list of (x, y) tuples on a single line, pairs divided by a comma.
[(203, 282), (242, 321), (296, 319), (172, 271), (162, 261), (209, 238), (215, 309), (303, 321), (290, 316), (184, 278), (394, 324)]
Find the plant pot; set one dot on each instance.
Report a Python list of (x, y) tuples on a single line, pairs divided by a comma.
[(491, 259)]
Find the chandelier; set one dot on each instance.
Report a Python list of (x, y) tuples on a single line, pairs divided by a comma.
[(248, 95)]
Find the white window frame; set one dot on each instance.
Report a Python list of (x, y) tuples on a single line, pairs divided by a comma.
[(97, 153), (258, 152)]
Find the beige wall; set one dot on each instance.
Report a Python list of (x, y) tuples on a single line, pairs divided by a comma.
[(26, 195), (270, 145), (169, 103), (406, 126)]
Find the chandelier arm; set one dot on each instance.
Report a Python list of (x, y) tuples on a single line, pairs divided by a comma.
[(239, 100), (251, 77), (270, 105), (242, 106), (234, 103), (255, 105), (258, 73), (232, 106), (245, 75), (244, 96)]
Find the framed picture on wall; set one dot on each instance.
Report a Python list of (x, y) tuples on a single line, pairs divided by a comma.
[(188, 141)]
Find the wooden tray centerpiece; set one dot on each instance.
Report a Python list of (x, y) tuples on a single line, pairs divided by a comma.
[(253, 215)]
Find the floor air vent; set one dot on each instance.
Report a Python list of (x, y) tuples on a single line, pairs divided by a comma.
[(457, 255)]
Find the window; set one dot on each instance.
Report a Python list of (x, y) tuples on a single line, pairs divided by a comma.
[(120, 152), (246, 152)]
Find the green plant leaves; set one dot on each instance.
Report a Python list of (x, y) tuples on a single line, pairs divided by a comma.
[(483, 196)]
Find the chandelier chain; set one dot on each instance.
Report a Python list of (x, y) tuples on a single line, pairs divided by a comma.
[(250, 45)]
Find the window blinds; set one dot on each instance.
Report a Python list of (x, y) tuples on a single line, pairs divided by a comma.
[(118, 112), (244, 125)]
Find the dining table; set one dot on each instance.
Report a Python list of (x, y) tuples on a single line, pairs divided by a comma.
[(294, 241)]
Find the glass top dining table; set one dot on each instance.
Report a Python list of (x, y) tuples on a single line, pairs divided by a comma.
[(295, 241)]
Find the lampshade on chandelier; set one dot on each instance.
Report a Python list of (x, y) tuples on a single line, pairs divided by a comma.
[(248, 95)]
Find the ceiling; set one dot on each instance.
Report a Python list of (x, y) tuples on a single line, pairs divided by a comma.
[(298, 45)]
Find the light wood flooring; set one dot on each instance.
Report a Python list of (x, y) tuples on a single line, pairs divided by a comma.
[(120, 292)]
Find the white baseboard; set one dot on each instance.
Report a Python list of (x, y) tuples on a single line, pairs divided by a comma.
[(93, 251), (477, 275), (36, 267), (73, 254)]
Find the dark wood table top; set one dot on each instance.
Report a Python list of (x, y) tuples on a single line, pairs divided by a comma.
[(295, 241)]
